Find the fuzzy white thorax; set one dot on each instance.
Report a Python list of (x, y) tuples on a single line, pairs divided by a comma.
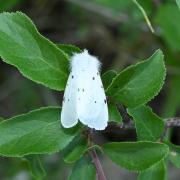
[(83, 61)]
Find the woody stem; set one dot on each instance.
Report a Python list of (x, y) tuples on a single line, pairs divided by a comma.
[(95, 158), (99, 170)]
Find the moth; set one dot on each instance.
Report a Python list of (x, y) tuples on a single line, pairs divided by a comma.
[(84, 96)]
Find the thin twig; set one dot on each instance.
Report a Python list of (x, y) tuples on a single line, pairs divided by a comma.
[(99, 170), (145, 15), (169, 123), (94, 156), (172, 122)]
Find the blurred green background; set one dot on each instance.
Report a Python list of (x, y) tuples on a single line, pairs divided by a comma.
[(116, 32)]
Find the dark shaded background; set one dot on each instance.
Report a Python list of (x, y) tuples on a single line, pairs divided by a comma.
[(113, 30)]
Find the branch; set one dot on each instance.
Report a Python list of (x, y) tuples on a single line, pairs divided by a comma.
[(169, 123), (172, 122), (99, 170), (94, 156)]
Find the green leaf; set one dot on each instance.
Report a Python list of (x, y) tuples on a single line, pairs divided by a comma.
[(178, 3), (169, 28), (149, 126), (107, 78), (35, 56), (35, 166), (174, 154), (75, 149), (83, 169), (69, 49), (37, 132), (138, 84), (156, 172), (114, 114), (136, 156)]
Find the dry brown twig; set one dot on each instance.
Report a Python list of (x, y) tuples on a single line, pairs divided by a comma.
[(169, 123)]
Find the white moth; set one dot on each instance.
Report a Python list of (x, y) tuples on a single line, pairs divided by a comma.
[(84, 97)]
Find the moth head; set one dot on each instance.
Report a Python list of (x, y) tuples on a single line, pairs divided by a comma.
[(82, 61)]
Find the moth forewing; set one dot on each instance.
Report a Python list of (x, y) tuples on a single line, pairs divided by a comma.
[(85, 90)]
